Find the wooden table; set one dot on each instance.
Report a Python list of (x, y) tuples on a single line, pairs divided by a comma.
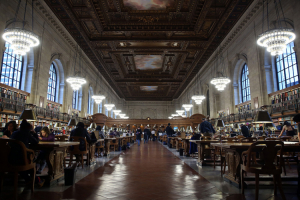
[(61, 138), (203, 145), (55, 154), (234, 158), (178, 141), (173, 141), (107, 142)]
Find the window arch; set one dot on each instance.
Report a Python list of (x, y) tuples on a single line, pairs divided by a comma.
[(245, 84), (11, 68), (75, 99), (52, 84), (287, 68)]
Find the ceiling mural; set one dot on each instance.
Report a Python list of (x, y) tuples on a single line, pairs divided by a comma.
[(148, 88), (148, 62), (148, 4), (137, 43)]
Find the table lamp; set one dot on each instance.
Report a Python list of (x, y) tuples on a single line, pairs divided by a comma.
[(57, 125), (93, 125), (189, 129), (72, 122), (262, 117), (220, 124), (28, 114)]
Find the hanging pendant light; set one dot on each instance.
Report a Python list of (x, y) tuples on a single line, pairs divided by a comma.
[(174, 115), (275, 40), (198, 98), (117, 112), (220, 82), (76, 82), (170, 117), (187, 107), (122, 115), (180, 112), (109, 107), (21, 40), (98, 98)]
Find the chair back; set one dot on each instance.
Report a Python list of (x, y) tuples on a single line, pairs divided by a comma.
[(111, 136), (5, 149), (239, 136), (273, 139), (261, 138), (246, 140), (61, 138), (76, 149), (269, 153)]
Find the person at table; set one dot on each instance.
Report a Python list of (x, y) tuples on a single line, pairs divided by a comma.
[(206, 128), (80, 131), (288, 129), (193, 146), (138, 136), (10, 128), (46, 135), (297, 120), (245, 130), (147, 134), (25, 135), (111, 134), (169, 132)]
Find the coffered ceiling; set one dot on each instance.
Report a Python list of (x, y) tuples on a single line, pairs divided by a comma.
[(149, 49)]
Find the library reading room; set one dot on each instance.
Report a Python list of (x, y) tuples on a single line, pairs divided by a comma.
[(149, 100)]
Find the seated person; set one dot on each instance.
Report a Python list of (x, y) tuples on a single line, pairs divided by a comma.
[(45, 136), (193, 146), (288, 129), (26, 136), (10, 128), (297, 120)]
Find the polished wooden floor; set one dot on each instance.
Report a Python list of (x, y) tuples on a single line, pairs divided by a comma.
[(150, 171)]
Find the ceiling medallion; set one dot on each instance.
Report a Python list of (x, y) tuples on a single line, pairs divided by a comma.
[(148, 19)]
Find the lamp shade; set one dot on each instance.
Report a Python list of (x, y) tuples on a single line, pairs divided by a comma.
[(262, 117), (93, 125), (220, 123), (72, 122), (50, 126), (57, 125), (235, 126), (105, 128), (29, 115), (182, 129), (189, 129)]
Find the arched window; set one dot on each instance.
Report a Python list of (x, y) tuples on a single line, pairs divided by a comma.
[(287, 68), (207, 103), (74, 100), (245, 84), (112, 113), (89, 102), (90, 106), (11, 68), (52, 84)]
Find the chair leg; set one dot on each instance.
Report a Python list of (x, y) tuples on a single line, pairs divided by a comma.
[(215, 162), (283, 166), (275, 185), (288, 162), (278, 178), (16, 185), (256, 186), (82, 161), (242, 182), (224, 165)]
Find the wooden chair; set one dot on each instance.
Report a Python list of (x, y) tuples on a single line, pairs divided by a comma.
[(231, 140), (77, 151), (61, 138), (100, 147), (239, 137), (261, 138), (269, 153), (250, 140), (5, 166), (114, 143)]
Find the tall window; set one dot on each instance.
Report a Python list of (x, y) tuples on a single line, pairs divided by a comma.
[(88, 108), (245, 84), (11, 68), (52, 83), (287, 68), (100, 108), (74, 101)]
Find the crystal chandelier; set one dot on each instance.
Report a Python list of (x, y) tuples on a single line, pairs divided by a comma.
[(122, 115), (170, 117), (275, 40), (98, 98), (198, 97), (126, 117), (76, 82), (21, 40), (198, 102), (109, 107), (180, 112), (117, 112), (220, 82), (175, 115), (187, 107)]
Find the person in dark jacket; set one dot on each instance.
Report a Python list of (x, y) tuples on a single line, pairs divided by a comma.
[(206, 128), (245, 130), (80, 131), (46, 136), (26, 136), (10, 127), (138, 136), (193, 146), (147, 135), (169, 132)]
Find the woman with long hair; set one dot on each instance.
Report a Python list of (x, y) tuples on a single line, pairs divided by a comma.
[(288, 128)]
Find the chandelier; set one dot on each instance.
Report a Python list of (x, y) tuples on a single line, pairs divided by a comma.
[(122, 115), (21, 40), (117, 112), (98, 98), (109, 107), (220, 82), (275, 40), (76, 82), (175, 115), (126, 117), (170, 117), (187, 107), (198, 102), (180, 112), (198, 97)]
